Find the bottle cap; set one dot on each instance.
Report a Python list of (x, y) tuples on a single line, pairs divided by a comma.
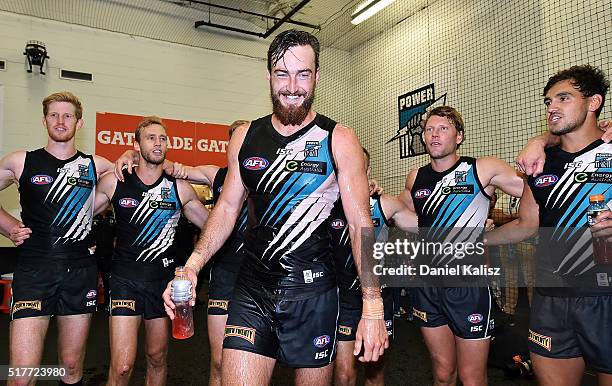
[(597, 197), (179, 270)]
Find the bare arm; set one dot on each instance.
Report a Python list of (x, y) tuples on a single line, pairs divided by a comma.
[(496, 172), (203, 174), (525, 226), (193, 209), (103, 166), (405, 196), (104, 192), (11, 168), (402, 217)]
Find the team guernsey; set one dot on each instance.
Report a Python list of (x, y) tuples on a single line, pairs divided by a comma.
[(146, 220), (292, 188), (56, 198), (452, 206), (562, 192), (287, 273)]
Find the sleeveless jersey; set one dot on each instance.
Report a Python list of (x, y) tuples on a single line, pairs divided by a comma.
[(445, 201), (292, 188), (56, 198), (562, 192), (146, 217), (346, 271), (230, 255)]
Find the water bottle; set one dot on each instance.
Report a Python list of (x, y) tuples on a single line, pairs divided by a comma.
[(182, 325), (601, 253)]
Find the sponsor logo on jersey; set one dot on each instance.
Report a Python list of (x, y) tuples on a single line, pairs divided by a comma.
[(540, 340), (165, 193), (222, 304), (312, 149), (573, 165), (546, 180), (422, 193), (27, 304), (603, 160), (128, 202), (255, 163), (321, 341), (129, 304), (80, 182), (419, 314), (338, 223), (41, 179), (475, 318), (284, 151), (91, 294), (458, 189), (83, 170), (345, 330), (460, 176), (245, 333), (162, 205), (311, 167)]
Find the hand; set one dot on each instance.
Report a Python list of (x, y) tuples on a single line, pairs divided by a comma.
[(603, 227), (177, 170), (489, 225), (372, 335), (169, 305), (374, 188), (19, 233), (126, 160), (531, 159), (606, 126)]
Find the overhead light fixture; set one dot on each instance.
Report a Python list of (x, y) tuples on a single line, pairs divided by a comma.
[(367, 9)]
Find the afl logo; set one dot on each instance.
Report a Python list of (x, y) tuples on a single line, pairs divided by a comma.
[(91, 294), (128, 202), (321, 341), (338, 223), (422, 193), (546, 180), (255, 163), (475, 318), (41, 179)]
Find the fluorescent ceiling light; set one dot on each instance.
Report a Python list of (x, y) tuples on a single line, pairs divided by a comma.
[(367, 9)]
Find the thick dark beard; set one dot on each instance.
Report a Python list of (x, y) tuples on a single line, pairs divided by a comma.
[(152, 161), (291, 116)]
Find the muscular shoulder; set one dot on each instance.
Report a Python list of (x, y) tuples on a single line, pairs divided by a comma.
[(410, 178)]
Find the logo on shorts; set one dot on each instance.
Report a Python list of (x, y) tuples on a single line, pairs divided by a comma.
[(241, 332), (25, 304), (475, 318), (540, 340), (338, 223), (130, 304), (546, 180), (255, 163), (388, 323), (41, 179), (345, 330), (91, 294), (419, 314), (222, 304), (321, 341), (128, 202)]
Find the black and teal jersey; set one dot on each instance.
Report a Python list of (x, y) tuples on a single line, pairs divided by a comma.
[(346, 272), (230, 254), (56, 198), (562, 192), (452, 206), (292, 187), (146, 218)]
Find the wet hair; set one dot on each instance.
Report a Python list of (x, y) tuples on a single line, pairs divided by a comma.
[(63, 96), (146, 122), (587, 79), (288, 39)]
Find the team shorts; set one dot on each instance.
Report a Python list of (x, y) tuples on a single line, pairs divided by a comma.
[(571, 327), (298, 333), (466, 310), (137, 297), (350, 313)]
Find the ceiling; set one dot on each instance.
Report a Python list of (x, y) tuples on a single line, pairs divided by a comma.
[(173, 20)]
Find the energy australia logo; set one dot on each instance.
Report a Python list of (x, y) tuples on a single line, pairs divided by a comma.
[(411, 108)]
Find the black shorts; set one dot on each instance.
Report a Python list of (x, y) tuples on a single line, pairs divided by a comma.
[(571, 327), (466, 310), (220, 289), (350, 313), (54, 289), (299, 333), (136, 297)]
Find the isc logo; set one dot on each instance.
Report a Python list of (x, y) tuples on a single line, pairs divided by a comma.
[(546, 180), (422, 193), (41, 179), (337, 223), (321, 341), (255, 163), (128, 202)]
